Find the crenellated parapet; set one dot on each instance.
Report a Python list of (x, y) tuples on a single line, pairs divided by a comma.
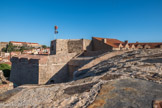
[(30, 59)]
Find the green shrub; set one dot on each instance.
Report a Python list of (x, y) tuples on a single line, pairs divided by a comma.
[(6, 69), (44, 46)]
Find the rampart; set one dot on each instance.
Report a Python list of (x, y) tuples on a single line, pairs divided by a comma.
[(40, 69), (63, 46), (76, 63), (98, 45)]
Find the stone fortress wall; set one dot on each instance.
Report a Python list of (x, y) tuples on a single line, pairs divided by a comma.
[(66, 57), (34, 69), (24, 70), (98, 46), (54, 68), (59, 46)]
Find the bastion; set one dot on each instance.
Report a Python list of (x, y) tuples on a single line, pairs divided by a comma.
[(47, 69), (40, 69)]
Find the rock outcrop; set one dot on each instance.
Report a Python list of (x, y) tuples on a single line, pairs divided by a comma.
[(127, 80), (2, 78), (128, 93), (141, 64), (4, 84)]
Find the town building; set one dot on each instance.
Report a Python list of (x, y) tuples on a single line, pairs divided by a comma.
[(5, 57), (106, 44), (151, 45), (37, 51), (3, 45), (26, 44), (114, 44)]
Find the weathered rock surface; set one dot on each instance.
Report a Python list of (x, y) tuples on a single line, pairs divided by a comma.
[(127, 80), (128, 93), (2, 78), (4, 84), (57, 96), (141, 64)]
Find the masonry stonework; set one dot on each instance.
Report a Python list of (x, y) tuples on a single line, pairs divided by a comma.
[(75, 46), (87, 45), (55, 70), (59, 46), (34, 69), (99, 45), (66, 56), (24, 71)]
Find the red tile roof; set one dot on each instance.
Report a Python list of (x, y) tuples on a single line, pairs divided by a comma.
[(112, 42), (152, 45), (130, 45), (115, 43), (23, 42)]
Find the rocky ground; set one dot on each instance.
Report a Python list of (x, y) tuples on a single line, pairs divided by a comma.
[(4, 84), (128, 80), (141, 64), (2, 78)]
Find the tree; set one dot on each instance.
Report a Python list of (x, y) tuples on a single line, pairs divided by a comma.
[(44, 46), (22, 49), (10, 47), (4, 50)]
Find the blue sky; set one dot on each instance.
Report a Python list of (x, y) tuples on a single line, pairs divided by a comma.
[(34, 20)]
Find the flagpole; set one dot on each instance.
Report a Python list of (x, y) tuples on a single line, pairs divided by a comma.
[(55, 30)]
